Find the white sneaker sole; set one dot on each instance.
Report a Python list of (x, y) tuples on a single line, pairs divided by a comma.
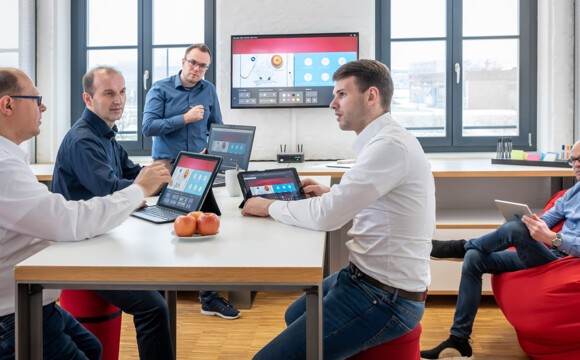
[(215, 313), (452, 354)]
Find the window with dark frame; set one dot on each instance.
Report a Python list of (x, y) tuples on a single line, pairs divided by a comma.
[(147, 47), (464, 70)]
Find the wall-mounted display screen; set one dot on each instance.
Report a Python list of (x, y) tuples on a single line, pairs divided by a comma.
[(270, 71)]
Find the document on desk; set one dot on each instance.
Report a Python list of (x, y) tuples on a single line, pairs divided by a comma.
[(345, 163)]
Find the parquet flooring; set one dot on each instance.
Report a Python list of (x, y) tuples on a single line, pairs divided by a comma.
[(212, 338)]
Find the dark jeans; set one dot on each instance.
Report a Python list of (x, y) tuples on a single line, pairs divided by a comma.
[(151, 318), (63, 336), (487, 255), (356, 316), (207, 296)]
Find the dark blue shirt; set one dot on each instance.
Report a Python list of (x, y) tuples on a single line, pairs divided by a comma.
[(567, 207), (165, 105), (90, 162)]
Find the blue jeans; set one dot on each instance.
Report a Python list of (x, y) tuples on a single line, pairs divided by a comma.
[(487, 254), (63, 336), (356, 316), (151, 318), (207, 296)]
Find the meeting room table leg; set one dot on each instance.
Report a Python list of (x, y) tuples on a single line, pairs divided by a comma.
[(171, 299), (314, 322), (28, 322)]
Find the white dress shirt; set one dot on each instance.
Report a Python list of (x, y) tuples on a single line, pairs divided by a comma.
[(32, 218), (389, 193)]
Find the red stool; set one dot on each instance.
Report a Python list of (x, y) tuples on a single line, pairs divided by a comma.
[(404, 348), (98, 316)]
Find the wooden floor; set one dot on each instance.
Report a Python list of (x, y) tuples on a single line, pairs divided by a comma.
[(210, 337)]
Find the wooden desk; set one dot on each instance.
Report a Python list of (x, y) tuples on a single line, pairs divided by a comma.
[(43, 172), (249, 253), (442, 168), (465, 190)]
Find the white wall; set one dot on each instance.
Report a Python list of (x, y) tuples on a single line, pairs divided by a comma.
[(555, 74), (53, 75), (315, 128)]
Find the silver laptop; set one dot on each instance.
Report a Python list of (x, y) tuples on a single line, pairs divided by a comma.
[(234, 144)]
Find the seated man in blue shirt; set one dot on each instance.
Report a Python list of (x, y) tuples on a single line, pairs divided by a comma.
[(91, 163), (488, 254), (178, 114)]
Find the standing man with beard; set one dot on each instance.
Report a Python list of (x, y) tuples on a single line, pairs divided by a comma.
[(179, 111), (91, 163)]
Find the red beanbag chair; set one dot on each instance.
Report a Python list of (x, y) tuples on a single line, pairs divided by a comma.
[(543, 305), (98, 316), (404, 348)]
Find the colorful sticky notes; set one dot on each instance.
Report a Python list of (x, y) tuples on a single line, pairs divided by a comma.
[(518, 155)]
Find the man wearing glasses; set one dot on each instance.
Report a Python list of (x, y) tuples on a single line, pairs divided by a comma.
[(32, 218), (179, 111), (536, 245)]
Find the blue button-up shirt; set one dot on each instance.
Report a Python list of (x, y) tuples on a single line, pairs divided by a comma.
[(165, 105), (90, 162), (567, 207)]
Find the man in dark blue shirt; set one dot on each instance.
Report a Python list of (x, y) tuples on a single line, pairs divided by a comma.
[(179, 111), (91, 163)]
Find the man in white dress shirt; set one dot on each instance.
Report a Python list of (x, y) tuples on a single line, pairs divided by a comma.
[(389, 193), (32, 218)]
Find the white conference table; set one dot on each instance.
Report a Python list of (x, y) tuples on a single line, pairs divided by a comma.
[(248, 253)]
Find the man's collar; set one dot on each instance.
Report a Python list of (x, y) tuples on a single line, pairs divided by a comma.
[(178, 84), (100, 125), (370, 131), (12, 148)]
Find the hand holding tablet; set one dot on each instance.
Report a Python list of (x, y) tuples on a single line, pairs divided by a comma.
[(275, 184), (513, 211)]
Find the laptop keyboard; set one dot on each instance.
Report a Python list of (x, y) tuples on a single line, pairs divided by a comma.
[(162, 213)]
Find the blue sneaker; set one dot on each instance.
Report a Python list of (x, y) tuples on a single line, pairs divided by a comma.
[(219, 306)]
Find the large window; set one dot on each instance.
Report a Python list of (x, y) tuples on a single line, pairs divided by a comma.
[(464, 70), (17, 49), (145, 40)]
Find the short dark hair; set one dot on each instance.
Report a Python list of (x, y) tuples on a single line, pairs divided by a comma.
[(89, 78), (369, 73), (9, 82), (200, 46)]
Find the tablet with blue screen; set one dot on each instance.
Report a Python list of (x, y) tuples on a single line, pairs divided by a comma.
[(276, 184)]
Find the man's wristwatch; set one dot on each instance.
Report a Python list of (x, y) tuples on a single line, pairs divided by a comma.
[(558, 240)]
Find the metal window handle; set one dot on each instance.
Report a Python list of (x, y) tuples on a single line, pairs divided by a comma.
[(145, 79), (458, 72)]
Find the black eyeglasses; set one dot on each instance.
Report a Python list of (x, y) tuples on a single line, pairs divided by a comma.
[(571, 161), (38, 98), (193, 63)]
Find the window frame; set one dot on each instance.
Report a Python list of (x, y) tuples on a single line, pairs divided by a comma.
[(454, 141), (145, 49)]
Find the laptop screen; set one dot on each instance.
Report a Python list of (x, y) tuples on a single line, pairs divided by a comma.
[(233, 143), (192, 177)]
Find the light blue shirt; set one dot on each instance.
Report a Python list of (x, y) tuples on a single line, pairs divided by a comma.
[(567, 207), (165, 105)]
